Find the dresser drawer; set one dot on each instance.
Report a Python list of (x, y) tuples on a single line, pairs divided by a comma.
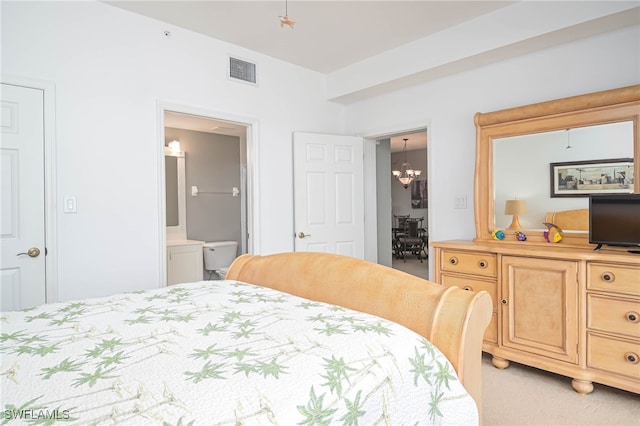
[(614, 278), (613, 315), (466, 283), (614, 355), (469, 262)]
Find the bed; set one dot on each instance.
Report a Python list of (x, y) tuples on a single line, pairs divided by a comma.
[(576, 220), (290, 338)]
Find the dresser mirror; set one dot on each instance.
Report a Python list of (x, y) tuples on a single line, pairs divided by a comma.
[(515, 148), (175, 198), (521, 168)]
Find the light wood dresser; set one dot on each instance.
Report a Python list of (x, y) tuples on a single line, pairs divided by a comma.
[(571, 311), (560, 307)]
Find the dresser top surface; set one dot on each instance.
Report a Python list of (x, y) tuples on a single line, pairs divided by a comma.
[(551, 250)]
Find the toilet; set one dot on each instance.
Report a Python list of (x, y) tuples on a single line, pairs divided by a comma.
[(218, 256)]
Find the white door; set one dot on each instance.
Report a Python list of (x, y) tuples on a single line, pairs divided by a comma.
[(22, 203), (328, 193)]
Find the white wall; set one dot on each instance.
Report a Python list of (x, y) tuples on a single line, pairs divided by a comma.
[(447, 105), (110, 68)]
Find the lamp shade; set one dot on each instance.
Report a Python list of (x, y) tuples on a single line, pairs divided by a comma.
[(515, 207)]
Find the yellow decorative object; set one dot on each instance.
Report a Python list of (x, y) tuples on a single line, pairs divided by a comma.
[(553, 234)]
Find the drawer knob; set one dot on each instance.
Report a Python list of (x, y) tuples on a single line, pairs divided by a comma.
[(467, 288), (608, 277), (483, 264), (453, 260), (505, 302), (631, 357), (633, 316)]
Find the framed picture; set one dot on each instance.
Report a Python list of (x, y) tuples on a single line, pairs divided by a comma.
[(582, 178), (419, 194)]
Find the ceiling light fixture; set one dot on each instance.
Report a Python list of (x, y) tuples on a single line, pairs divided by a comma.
[(174, 146), (406, 174), (285, 20)]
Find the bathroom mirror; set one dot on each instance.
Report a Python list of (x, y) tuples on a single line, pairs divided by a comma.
[(514, 149), (175, 194)]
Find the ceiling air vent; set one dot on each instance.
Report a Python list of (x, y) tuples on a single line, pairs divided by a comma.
[(242, 71)]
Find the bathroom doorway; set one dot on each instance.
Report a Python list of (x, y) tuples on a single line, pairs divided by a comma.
[(215, 187)]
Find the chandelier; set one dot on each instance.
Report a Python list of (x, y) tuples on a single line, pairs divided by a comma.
[(406, 174)]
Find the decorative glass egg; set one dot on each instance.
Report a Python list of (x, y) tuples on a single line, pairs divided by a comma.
[(497, 235)]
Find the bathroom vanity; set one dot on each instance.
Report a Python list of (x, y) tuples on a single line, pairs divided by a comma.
[(184, 256), (184, 261)]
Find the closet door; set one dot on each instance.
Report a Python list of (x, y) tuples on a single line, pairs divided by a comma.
[(22, 203)]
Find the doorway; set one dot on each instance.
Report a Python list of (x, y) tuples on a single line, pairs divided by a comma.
[(395, 202), (410, 203), (219, 156)]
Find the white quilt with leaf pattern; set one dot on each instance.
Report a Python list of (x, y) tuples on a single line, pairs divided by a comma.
[(220, 353)]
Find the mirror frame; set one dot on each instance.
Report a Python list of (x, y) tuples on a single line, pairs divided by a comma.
[(604, 107), (178, 232)]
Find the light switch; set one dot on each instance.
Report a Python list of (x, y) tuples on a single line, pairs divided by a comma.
[(69, 204), (460, 202)]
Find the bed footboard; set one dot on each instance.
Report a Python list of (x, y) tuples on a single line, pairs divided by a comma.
[(453, 320)]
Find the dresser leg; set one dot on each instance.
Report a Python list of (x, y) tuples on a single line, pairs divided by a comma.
[(500, 363), (583, 387)]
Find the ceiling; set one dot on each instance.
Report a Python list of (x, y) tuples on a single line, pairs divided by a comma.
[(414, 141), (327, 36), (330, 36)]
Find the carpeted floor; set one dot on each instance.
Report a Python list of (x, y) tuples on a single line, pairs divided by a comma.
[(522, 395)]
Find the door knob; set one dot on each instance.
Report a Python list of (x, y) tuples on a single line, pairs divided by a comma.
[(32, 252), (303, 235)]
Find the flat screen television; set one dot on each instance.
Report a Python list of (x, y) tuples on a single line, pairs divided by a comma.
[(614, 220)]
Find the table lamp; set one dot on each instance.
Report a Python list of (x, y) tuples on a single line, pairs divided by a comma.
[(515, 208)]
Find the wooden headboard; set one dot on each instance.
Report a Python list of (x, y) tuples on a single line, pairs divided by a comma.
[(454, 320), (577, 220)]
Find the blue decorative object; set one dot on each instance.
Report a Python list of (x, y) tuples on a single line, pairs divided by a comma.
[(520, 236), (497, 235)]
